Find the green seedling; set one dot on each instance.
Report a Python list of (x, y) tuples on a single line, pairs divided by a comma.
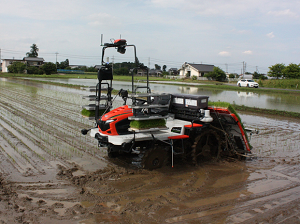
[(145, 124)]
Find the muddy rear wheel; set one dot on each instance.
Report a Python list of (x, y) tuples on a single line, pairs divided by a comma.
[(206, 146), (111, 152), (154, 158)]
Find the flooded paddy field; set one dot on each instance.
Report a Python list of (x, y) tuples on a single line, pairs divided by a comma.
[(50, 173)]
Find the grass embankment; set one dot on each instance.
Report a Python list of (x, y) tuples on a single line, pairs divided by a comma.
[(280, 83), (256, 110), (88, 75)]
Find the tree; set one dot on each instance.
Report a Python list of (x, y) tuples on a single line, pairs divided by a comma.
[(49, 68), (292, 71), (63, 65), (16, 67), (91, 69), (121, 71), (164, 68), (157, 67), (276, 70), (33, 51), (217, 74), (34, 70), (257, 75)]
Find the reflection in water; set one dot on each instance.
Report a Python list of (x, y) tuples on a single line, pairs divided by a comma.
[(285, 102)]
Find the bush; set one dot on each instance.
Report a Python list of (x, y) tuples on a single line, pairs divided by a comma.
[(217, 74), (194, 77), (49, 68), (34, 70), (16, 67)]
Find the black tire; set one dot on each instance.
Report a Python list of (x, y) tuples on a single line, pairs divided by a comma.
[(155, 158), (206, 146), (111, 152), (240, 85), (248, 85)]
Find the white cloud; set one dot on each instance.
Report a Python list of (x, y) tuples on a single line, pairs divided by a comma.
[(248, 52), (52, 10), (271, 35), (233, 8), (224, 53), (286, 12), (103, 20)]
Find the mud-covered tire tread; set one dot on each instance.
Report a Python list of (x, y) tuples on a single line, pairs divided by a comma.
[(195, 152), (154, 157)]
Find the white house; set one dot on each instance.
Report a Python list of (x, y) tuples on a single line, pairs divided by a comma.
[(31, 61), (198, 70), (8, 62)]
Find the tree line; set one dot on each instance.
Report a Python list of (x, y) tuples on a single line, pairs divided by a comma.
[(280, 70)]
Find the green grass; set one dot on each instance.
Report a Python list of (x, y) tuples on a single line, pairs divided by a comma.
[(88, 113), (267, 111), (91, 113), (145, 124), (90, 75), (280, 83)]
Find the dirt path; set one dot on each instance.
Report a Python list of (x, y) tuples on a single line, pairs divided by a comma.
[(50, 173)]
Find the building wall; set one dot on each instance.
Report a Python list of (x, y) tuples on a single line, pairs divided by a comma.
[(189, 69), (5, 64), (8, 62)]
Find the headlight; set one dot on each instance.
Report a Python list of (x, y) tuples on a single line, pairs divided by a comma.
[(109, 121)]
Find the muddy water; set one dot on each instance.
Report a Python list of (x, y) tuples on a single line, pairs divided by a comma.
[(50, 173), (285, 102)]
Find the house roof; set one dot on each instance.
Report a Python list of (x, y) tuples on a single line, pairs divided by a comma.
[(203, 67), (33, 59), (155, 71), (11, 59)]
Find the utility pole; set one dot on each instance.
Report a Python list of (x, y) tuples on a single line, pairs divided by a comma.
[(243, 69), (226, 68), (56, 60), (113, 61), (149, 63)]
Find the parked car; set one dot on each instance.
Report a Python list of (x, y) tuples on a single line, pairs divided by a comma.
[(247, 83)]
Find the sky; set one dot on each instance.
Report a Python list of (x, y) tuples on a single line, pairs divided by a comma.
[(224, 33)]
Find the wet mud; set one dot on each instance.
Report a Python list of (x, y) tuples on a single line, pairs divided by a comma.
[(50, 173)]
